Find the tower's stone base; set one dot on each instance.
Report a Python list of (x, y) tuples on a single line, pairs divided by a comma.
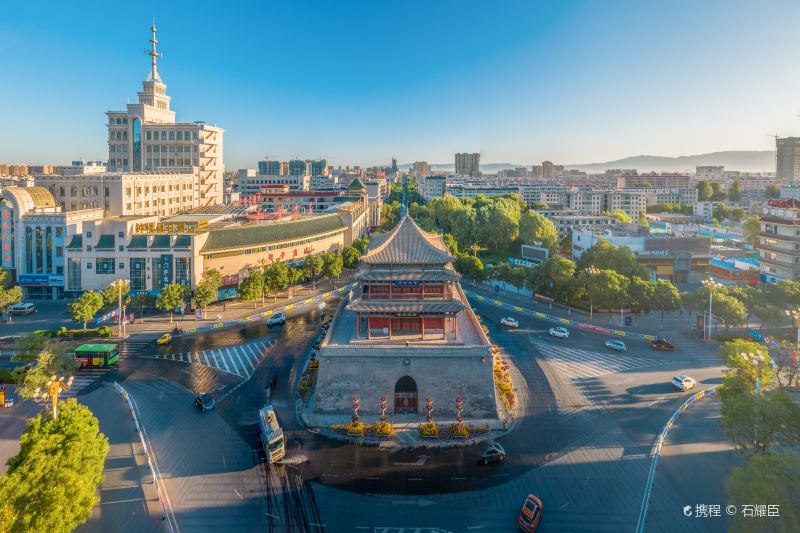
[(441, 373)]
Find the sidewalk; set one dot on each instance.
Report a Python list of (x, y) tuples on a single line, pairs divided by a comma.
[(231, 311)]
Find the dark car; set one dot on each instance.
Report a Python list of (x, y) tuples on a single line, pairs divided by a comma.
[(494, 452), (204, 402), (663, 344)]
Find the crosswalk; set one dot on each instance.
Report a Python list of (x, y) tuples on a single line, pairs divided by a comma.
[(701, 352), (83, 378), (581, 364), (240, 360)]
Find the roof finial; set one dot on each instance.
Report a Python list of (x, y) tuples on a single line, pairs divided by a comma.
[(153, 53)]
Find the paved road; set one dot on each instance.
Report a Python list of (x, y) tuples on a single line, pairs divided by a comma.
[(696, 460), (128, 500)]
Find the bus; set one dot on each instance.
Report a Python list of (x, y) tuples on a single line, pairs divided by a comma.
[(97, 355), (271, 434)]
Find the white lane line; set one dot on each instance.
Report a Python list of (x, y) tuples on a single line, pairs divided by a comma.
[(205, 357), (242, 356), (220, 356), (252, 356)]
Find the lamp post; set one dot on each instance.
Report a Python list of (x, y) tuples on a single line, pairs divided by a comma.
[(52, 390), (758, 360), (475, 249), (711, 285), (590, 271), (119, 285), (794, 314)]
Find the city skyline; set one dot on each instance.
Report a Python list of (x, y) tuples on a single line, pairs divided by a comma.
[(510, 95)]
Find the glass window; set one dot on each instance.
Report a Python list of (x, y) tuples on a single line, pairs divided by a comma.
[(59, 232), (137, 144), (180, 135), (147, 135), (163, 135), (171, 135)]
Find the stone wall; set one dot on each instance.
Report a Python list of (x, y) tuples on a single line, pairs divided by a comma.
[(372, 373)]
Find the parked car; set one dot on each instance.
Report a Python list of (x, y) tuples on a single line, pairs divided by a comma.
[(277, 320), (683, 383), (616, 345), (494, 452), (22, 309), (509, 321), (662, 344), (530, 514), (558, 331), (204, 402), (164, 339)]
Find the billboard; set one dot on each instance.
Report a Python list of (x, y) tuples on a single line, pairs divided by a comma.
[(166, 269)]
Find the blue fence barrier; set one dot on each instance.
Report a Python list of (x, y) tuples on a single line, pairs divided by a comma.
[(562, 321)]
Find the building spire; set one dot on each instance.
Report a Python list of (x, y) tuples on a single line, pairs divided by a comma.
[(153, 54)]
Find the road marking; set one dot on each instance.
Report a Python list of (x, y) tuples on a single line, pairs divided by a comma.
[(564, 505), (205, 357), (233, 364), (239, 353), (239, 495), (224, 464), (419, 462)]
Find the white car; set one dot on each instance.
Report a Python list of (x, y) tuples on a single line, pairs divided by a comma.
[(509, 321), (683, 383), (616, 345), (276, 320), (558, 331)]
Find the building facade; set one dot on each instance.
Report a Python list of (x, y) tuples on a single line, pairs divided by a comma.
[(146, 138), (407, 332), (468, 165), (787, 158), (779, 241)]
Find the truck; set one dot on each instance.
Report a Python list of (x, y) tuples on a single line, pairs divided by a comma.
[(271, 434)]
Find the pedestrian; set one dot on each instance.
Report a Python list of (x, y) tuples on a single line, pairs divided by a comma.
[(223, 307)]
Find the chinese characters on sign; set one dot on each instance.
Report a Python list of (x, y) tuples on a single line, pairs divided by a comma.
[(171, 227), (747, 510)]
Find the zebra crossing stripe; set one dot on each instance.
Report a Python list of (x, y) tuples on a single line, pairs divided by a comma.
[(233, 363), (242, 358), (205, 358), (250, 354), (219, 356)]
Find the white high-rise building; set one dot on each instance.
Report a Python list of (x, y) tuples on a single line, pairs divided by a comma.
[(147, 138)]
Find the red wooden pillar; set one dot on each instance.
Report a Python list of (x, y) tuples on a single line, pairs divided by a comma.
[(422, 321)]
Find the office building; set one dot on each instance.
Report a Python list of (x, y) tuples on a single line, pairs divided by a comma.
[(779, 241), (146, 138), (468, 165), (420, 169), (787, 166)]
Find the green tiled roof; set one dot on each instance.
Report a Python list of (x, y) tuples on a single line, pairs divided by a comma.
[(138, 242), (106, 242), (260, 234), (76, 243), (356, 185)]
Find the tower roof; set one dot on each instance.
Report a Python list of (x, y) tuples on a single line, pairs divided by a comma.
[(356, 185), (407, 244)]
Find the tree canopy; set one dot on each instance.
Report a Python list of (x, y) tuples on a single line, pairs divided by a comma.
[(51, 484), (85, 307), (170, 297), (536, 228)]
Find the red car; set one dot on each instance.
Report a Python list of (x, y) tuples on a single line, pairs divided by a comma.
[(530, 514), (662, 344)]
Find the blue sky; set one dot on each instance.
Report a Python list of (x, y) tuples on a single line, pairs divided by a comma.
[(359, 82)]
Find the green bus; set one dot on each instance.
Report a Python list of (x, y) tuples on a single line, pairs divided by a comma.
[(97, 355)]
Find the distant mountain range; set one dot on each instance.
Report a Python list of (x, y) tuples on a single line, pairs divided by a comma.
[(744, 160)]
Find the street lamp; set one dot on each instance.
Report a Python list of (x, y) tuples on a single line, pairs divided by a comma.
[(758, 360), (475, 249), (119, 285), (711, 285), (794, 314), (52, 390), (590, 271)]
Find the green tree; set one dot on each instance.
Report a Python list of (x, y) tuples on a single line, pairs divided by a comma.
[(50, 361), (350, 257), (619, 214), (565, 245), (730, 354), (464, 225), (469, 266), (784, 294), (607, 290), (735, 191), (332, 265), (640, 295), (360, 244), (729, 309), (29, 346), (9, 293), (110, 295), (312, 267), (451, 243), (170, 297), (390, 213), (276, 278), (604, 255), (499, 220), (772, 191), (666, 298), (771, 478), (294, 275), (51, 484), (535, 227), (252, 287), (717, 193), (751, 227), (756, 423), (704, 191), (142, 301), (552, 278), (84, 308), (206, 290), (441, 208)]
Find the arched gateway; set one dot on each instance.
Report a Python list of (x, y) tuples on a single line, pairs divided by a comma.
[(405, 395)]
